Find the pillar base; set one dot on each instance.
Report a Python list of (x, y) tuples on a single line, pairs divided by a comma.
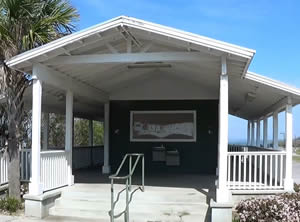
[(223, 195), (38, 205), (289, 185), (36, 189), (71, 180), (221, 212), (106, 169)]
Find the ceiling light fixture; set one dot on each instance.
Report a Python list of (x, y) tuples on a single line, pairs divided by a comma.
[(149, 65)]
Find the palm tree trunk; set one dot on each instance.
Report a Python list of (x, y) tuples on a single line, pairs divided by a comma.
[(13, 164)]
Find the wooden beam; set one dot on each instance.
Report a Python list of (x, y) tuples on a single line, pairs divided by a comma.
[(111, 48), (61, 81), (130, 58), (276, 107)]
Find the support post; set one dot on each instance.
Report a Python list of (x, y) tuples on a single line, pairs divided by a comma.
[(91, 133), (258, 133), (265, 132), (46, 132), (69, 134), (288, 181), (35, 186), (223, 194), (252, 133), (106, 167), (275, 130), (248, 133)]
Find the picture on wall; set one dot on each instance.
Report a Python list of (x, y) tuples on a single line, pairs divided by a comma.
[(163, 126)]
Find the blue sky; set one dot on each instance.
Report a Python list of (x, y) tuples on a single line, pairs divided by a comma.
[(270, 27)]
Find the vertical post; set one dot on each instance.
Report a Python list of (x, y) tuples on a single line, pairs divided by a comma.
[(288, 181), (252, 133), (265, 132), (69, 134), (223, 194), (248, 133), (91, 133), (258, 133), (46, 132), (106, 167), (35, 187), (275, 130)]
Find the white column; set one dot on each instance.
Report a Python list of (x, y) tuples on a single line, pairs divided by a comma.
[(46, 132), (249, 133), (252, 133), (288, 181), (258, 133), (35, 186), (91, 133), (69, 136), (223, 194), (106, 167), (265, 132), (275, 130)]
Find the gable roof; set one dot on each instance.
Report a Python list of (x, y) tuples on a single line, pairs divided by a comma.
[(212, 45)]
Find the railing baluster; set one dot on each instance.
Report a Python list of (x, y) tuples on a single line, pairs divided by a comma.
[(239, 169), (255, 170), (234, 171), (276, 169)]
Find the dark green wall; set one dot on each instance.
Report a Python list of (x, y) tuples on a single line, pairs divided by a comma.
[(195, 157)]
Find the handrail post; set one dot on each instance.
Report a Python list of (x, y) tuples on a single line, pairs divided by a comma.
[(130, 164), (127, 202), (112, 201), (143, 173)]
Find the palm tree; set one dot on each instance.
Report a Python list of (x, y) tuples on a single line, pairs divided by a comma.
[(25, 24)]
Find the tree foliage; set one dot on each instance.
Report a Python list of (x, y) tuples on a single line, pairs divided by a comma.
[(25, 24)]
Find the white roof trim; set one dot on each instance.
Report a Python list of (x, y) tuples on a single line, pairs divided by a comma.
[(134, 23), (272, 83)]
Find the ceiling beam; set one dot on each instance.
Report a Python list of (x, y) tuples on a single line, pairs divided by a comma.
[(131, 58), (64, 82), (276, 107)]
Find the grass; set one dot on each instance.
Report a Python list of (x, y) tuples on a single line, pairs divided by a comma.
[(298, 151), (296, 159)]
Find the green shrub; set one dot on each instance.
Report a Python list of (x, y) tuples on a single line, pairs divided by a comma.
[(10, 205), (297, 187)]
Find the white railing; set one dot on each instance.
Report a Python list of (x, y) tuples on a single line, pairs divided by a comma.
[(54, 169), (3, 169), (25, 164), (255, 170), (245, 148)]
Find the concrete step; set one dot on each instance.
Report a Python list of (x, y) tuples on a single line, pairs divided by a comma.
[(191, 196), (134, 217), (134, 206)]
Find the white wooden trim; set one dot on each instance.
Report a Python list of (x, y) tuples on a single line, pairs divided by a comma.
[(194, 112), (130, 58), (134, 23), (273, 83), (35, 187)]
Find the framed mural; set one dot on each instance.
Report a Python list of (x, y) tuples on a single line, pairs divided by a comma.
[(163, 126)]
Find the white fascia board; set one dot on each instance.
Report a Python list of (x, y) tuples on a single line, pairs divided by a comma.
[(188, 37), (273, 83), (61, 42), (134, 23)]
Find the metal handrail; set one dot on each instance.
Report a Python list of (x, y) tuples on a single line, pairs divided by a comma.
[(128, 179)]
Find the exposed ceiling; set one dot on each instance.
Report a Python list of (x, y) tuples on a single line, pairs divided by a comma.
[(110, 57)]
